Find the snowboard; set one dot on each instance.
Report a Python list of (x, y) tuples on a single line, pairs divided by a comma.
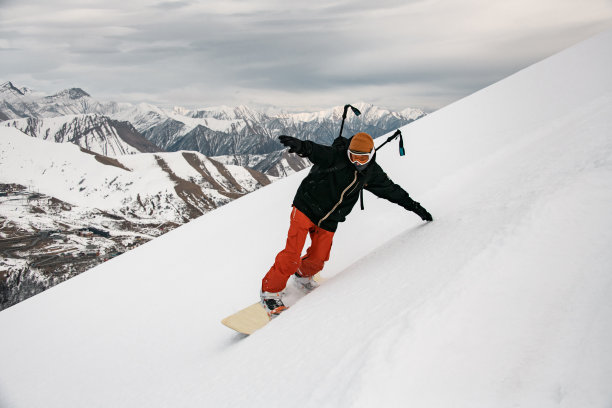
[(254, 317)]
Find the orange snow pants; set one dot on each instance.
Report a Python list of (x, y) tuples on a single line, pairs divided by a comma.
[(289, 260)]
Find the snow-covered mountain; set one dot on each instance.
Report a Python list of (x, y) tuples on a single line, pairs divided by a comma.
[(165, 127), (244, 131), (50, 193), (97, 133), (237, 135), (214, 131), (21, 102), (244, 136), (159, 185), (502, 301), (10, 92)]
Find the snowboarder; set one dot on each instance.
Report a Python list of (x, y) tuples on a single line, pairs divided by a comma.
[(324, 198)]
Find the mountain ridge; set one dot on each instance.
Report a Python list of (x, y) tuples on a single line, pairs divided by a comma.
[(242, 132), (94, 132)]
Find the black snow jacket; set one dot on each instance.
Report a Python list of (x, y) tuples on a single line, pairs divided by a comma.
[(331, 189)]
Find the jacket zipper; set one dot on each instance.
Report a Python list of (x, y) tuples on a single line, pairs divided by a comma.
[(339, 202)]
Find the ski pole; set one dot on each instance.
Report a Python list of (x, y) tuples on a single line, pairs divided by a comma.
[(355, 111)]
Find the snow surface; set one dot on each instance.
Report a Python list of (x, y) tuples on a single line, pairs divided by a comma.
[(502, 301), (63, 171), (59, 169)]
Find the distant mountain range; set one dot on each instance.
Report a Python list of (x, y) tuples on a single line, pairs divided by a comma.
[(241, 135)]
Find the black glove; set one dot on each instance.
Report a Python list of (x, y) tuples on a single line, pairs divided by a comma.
[(295, 145), (422, 212)]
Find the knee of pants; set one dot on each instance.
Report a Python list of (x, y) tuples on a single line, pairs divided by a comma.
[(310, 266), (287, 262)]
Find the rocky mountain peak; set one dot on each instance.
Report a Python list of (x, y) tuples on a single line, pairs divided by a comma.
[(9, 88), (72, 93)]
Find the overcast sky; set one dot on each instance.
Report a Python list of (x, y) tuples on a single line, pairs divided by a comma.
[(293, 55)]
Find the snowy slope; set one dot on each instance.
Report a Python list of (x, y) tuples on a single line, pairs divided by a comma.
[(502, 301), (160, 186)]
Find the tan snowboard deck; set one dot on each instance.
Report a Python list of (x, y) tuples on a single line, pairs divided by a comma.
[(254, 317), (248, 320)]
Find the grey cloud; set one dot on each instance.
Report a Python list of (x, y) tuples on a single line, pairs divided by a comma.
[(270, 50), (171, 5)]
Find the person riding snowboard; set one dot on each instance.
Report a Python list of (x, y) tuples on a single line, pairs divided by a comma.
[(324, 198)]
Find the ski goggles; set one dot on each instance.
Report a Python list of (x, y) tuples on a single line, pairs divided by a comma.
[(359, 157)]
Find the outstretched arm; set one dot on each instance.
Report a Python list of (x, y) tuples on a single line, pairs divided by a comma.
[(318, 154), (381, 185)]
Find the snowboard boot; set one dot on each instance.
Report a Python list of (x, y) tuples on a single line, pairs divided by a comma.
[(305, 283), (273, 303)]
